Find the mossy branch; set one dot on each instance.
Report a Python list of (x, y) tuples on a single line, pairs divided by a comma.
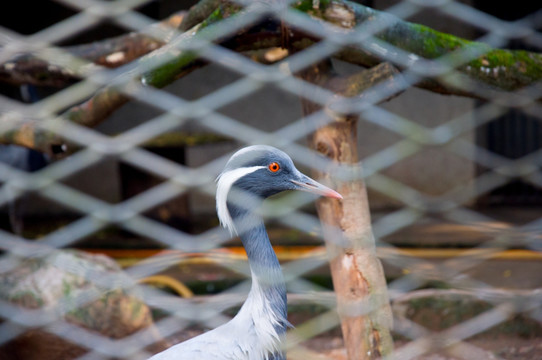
[(483, 68), (111, 53), (163, 67), (498, 70), (198, 13), (104, 102)]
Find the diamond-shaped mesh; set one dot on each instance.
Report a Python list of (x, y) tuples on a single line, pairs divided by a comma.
[(136, 119)]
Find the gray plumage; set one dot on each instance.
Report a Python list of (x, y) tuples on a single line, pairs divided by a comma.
[(258, 330)]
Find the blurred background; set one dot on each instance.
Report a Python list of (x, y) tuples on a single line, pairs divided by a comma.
[(479, 171)]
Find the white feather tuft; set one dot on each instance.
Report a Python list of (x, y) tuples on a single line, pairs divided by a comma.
[(225, 182), (264, 320), (258, 338), (250, 335)]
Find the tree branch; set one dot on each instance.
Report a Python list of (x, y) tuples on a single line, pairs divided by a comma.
[(113, 52), (198, 13), (499, 70), (486, 70), (173, 64), (357, 273), (104, 102)]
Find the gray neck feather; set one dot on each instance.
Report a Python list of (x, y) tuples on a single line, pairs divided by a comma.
[(262, 260)]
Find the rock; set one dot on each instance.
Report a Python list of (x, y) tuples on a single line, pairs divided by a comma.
[(87, 290), (525, 349)]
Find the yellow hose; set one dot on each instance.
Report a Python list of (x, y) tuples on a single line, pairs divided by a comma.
[(130, 257), (174, 284)]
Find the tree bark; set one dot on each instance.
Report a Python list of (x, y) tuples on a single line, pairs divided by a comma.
[(496, 69), (111, 53), (198, 13), (357, 274), (28, 133), (481, 69), (489, 73)]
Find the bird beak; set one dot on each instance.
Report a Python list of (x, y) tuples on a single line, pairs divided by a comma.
[(305, 183)]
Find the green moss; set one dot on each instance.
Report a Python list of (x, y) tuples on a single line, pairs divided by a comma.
[(499, 68), (66, 288), (166, 73), (524, 61), (81, 315), (27, 299), (137, 308), (215, 16), (303, 6), (508, 70), (431, 44), (230, 9), (505, 69), (306, 6)]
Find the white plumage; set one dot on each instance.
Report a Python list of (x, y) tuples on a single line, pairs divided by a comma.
[(258, 330), (225, 182), (250, 335)]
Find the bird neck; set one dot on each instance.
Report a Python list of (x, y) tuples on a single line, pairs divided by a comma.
[(262, 259), (267, 275)]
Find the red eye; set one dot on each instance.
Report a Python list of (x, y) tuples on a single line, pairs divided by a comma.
[(274, 167)]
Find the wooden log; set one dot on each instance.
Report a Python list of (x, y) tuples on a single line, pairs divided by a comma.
[(357, 274), (111, 53)]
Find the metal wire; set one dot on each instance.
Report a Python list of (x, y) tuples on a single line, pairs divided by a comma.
[(412, 206)]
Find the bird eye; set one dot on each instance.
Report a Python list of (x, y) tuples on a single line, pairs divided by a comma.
[(274, 167)]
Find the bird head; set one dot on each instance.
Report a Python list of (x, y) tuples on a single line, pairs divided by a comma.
[(258, 172)]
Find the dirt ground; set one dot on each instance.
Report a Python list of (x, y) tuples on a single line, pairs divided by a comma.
[(505, 348), (328, 346), (331, 347)]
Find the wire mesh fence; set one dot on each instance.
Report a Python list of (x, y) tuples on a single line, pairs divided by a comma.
[(137, 126)]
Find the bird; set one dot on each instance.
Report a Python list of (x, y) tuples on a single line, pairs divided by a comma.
[(257, 332)]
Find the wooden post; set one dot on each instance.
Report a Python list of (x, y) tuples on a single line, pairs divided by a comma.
[(357, 273)]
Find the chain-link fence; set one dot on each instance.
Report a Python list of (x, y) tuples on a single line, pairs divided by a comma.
[(116, 124)]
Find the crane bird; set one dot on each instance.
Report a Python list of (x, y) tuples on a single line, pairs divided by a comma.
[(258, 330)]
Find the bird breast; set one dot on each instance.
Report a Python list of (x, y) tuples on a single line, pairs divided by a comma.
[(262, 321), (250, 335)]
